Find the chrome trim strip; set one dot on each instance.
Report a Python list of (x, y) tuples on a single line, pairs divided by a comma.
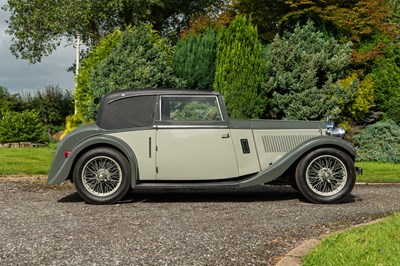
[(190, 126)]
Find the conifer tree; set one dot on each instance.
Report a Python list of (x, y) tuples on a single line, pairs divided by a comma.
[(194, 60), (240, 68)]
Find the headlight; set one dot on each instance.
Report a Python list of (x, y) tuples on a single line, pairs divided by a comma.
[(336, 132)]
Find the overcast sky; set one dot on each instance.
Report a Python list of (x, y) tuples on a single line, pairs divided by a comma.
[(18, 75)]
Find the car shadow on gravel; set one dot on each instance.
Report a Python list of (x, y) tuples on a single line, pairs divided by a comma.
[(210, 195), (258, 194)]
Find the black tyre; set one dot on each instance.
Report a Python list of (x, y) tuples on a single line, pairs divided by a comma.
[(326, 175), (102, 176)]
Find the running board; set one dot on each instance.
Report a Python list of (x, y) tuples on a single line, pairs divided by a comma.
[(232, 184)]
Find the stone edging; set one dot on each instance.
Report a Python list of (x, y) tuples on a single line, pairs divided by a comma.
[(21, 145)]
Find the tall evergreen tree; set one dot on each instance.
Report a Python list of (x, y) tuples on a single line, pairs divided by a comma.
[(140, 60), (240, 68), (194, 60), (302, 68)]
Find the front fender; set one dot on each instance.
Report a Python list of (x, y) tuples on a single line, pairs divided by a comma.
[(285, 162), (62, 167)]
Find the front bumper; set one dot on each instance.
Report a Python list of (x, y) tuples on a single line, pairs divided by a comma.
[(359, 170)]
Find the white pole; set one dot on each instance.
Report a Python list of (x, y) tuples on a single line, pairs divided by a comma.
[(78, 49)]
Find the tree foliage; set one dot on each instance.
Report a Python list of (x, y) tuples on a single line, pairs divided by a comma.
[(302, 68), (386, 74), (358, 21), (39, 26), (52, 105), (83, 95), (194, 60), (239, 69), (357, 100), (140, 60)]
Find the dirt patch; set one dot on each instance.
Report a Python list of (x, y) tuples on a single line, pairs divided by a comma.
[(23, 178)]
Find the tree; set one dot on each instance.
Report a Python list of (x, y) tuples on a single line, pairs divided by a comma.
[(239, 69), (39, 26), (6, 103), (140, 60), (194, 60), (83, 95), (302, 68), (53, 105)]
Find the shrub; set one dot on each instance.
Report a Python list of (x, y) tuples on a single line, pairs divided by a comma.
[(21, 127), (379, 142), (72, 122)]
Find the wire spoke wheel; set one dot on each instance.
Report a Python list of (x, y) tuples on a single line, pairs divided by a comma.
[(326, 175), (101, 176)]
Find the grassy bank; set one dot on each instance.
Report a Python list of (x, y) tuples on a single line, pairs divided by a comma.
[(376, 244), (27, 161)]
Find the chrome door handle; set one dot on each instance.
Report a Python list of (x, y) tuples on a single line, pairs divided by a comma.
[(225, 136)]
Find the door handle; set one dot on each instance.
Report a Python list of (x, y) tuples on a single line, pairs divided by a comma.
[(225, 136)]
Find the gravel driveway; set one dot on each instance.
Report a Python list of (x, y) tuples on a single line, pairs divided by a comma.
[(39, 225)]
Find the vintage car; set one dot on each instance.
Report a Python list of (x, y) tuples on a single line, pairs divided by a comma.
[(185, 139)]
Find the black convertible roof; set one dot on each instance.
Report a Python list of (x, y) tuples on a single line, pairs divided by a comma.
[(135, 108), (117, 95)]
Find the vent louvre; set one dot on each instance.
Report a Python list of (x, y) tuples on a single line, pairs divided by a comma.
[(283, 143)]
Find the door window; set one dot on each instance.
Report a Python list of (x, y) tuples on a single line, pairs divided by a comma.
[(190, 108)]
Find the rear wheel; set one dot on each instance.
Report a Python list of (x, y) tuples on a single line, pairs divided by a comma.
[(102, 176), (326, 175)]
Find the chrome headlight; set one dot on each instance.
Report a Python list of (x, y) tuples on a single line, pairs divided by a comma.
[(334, 131)]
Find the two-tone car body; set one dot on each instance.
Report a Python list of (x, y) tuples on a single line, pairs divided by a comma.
[(184, 139)]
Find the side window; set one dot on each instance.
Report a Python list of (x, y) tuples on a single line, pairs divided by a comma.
[(190, 108)]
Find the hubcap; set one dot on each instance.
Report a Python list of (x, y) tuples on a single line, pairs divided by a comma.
[(101, 176), (326, 175)]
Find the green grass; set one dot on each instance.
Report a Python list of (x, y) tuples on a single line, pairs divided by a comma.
[(37, 161), (27, 161), (379, 172), (376, 244)]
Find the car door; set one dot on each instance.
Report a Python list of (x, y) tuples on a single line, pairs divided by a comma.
[(193, 140)]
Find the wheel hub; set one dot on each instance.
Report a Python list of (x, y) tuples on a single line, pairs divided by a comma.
[(325, 174), (102, 175)]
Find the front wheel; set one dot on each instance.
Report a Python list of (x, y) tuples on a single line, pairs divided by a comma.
[(326, 175), (102, 176)]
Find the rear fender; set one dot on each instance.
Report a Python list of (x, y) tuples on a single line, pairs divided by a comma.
[(57, 176)]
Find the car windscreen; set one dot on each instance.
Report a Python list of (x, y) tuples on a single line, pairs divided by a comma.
[(128, 112)]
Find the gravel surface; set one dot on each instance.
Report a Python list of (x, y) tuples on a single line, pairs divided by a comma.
[(53, 226)]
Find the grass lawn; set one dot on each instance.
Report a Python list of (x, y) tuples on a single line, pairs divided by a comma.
[(379, 172), (27, 161), (376, 244), (37, 161)]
